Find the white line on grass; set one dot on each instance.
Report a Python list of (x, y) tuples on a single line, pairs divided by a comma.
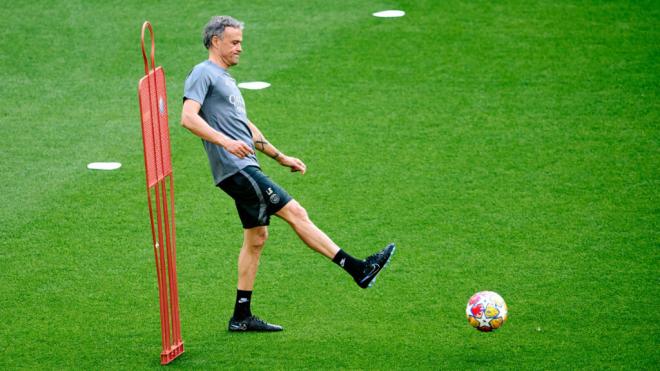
[(104, 165), (389, 14), (254, 85)]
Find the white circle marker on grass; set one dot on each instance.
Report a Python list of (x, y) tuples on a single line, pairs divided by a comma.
[(103, 165), (390, 14), (254, 85)]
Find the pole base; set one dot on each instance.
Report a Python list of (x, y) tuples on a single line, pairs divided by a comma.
[(169, 355)]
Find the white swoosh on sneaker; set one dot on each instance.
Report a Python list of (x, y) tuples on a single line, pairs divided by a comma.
[(372, 273)]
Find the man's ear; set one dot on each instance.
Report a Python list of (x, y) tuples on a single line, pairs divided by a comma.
[(215, 40)]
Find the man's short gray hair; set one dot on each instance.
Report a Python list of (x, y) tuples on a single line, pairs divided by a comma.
[(216, 27)]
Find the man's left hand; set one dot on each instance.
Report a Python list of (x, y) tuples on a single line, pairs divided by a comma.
[(293, 163)]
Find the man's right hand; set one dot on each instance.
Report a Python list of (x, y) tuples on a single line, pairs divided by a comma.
[(237, 148)]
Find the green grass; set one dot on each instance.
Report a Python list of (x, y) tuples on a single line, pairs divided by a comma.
[(510, 146)]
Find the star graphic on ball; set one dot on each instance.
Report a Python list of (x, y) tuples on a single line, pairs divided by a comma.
[(483, 321)]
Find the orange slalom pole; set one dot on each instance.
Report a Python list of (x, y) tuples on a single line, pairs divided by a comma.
[(157, 161)]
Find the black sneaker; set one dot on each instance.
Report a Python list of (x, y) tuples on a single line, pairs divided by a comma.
[(252, 323), (375, 263)]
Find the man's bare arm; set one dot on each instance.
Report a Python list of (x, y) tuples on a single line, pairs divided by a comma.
[(263, 145), (191, 120)]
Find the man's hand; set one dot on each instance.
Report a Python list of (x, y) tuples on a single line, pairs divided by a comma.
[(237, 148), (292, 162), (192, 121)]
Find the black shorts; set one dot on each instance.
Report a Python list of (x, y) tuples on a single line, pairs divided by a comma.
[(256, 196)]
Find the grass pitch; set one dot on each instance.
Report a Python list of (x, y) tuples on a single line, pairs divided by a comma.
[(509, 146)]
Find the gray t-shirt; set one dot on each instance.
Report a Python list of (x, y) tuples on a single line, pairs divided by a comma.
[(223, 108)]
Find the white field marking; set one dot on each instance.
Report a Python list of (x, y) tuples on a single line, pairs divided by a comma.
[(103, 165), (254, 85), (390, 14)]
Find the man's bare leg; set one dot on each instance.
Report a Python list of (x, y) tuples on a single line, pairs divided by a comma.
[(364, 272), (311, 235), (254, 240)]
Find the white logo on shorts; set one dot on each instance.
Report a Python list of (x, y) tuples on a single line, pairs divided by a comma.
[(274, 197)]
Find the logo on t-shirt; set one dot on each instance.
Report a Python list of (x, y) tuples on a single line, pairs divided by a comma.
[(238, 103)]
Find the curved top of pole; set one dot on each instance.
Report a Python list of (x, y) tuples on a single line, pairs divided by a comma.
[(146, 25)]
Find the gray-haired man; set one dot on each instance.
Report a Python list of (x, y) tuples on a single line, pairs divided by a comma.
[(214, 110)]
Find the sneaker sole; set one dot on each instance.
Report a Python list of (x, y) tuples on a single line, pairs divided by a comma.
[(245, 329), (383, 268)]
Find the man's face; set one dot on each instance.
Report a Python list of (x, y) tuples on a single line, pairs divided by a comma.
[(229, 47)]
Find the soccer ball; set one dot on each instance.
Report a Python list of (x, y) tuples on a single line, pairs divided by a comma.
[(486, 311)]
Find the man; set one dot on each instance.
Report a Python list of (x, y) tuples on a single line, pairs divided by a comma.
[(214, 110)]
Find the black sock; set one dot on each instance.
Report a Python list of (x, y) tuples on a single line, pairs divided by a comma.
[(242, 306), (351, 265)]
